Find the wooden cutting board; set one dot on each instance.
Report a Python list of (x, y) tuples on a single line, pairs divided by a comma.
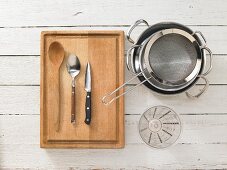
[(105, 52)]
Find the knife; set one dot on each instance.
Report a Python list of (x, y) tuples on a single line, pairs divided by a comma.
[(88, 96)]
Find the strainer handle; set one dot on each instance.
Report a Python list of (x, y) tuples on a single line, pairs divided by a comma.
[(128, 35), (107, 98), (211, 58), (204, 89), (129, 61)]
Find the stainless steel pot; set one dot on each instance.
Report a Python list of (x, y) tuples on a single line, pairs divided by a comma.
[(134, 54), (140, 59)]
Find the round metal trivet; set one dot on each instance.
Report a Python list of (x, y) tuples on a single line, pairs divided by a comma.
[(159, 127)]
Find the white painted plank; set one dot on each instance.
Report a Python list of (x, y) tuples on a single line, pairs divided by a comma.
[(98, 12), (19, 100), (25, 70), (213, 101), (26, 41), (25, 100), (137, 156), (197, 129), (20, 70)]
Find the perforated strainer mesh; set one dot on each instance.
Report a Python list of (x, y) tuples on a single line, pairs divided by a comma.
[(172, 57)]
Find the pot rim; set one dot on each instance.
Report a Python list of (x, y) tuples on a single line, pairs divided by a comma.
[(171, 25)]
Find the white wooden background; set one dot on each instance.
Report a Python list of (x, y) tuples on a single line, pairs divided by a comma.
[(204, 140)]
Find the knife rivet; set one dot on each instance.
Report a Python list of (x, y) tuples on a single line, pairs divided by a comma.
[(87, 108), (88, 96)]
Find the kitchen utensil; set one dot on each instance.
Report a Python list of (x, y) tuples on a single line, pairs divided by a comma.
[(152, 30), (159, 127), (173, 57), (88, 95), (106, 129), (56, 54), (73, 68), (176, 68), (169, 60)]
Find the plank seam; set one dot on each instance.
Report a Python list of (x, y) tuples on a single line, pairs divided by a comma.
[(127, 25), (183, 114)]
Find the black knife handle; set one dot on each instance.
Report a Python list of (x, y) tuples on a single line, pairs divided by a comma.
[(88, 108)]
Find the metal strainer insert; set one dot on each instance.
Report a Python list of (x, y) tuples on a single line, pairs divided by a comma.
[(159, 127), (172, 57)]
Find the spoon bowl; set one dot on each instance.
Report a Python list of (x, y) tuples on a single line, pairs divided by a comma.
[(73, 65), (56, 53)]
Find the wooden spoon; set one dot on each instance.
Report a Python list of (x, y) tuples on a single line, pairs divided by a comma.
[(56, 55)]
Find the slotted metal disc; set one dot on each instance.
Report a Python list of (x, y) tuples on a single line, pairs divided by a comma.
[(159, 127)]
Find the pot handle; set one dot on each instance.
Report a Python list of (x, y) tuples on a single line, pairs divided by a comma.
[(211, 58), (128, 35), (129, 61), (201, 35), (204, 89), (107, 99)]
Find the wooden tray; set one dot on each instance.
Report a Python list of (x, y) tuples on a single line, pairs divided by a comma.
[(105, 52)]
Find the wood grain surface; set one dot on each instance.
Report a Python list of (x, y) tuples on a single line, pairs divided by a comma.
[(104, 50), (203, 144)]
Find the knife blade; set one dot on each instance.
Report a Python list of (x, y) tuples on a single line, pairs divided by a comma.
[(88, 95)]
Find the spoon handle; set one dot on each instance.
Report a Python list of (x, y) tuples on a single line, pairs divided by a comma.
[(73, 117), (54, 87), (58, 99)]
